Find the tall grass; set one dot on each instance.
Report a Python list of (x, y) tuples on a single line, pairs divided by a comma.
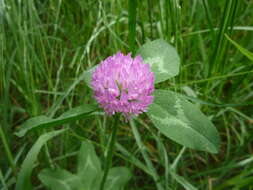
[(46, 46)]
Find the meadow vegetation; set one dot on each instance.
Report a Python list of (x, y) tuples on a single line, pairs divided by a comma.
[(46, 48)]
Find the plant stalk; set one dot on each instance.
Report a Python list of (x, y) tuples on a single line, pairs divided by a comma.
[(143, 151), (7, 150), (132, 11), (109, 155)]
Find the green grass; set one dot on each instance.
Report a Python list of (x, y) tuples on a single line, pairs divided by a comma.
[(46, 46)]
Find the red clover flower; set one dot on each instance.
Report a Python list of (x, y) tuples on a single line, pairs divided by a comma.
[(123, 84)]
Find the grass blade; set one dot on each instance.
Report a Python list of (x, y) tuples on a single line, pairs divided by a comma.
[(7, 149), (44, 121), (23, 180), (145, 155), (244, 51), (132, 9)]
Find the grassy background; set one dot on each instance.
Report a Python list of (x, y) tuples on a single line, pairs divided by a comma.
[(47, 45)]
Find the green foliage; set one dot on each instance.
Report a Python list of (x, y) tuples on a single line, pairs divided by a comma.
[(45, 122), (89, 174), (244, 51), (183, 182), (183, 122), (87, 76), (23, 179), (88, 166), (162, 58), (117, 178), (132, 11), (46, 48), (60, 179)]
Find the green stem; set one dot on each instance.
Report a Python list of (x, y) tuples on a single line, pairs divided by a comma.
[(145, 155), (7, 150), (2, 180), (150, 17), (132, 24), (108, 161)]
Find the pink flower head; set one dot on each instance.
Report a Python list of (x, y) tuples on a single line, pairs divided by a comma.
[(123, 84)]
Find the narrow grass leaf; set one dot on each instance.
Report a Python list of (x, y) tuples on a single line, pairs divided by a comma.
[(244, 51), (182, 181), (132, 23), (23, 179), (4, 185), (176, 160), (59, 101), (44, 121), (145, 156), (183, 122), (162, 58), (133, 159)]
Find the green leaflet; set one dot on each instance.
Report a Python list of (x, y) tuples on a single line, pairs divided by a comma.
[(60, 179), (89, 166), (89, 174), (162, 58), (183, 122), (117, 178)]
